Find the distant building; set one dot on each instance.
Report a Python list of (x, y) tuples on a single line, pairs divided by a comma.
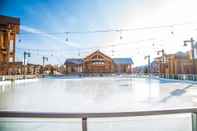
[(9, 28), (140, 69), (178, 63), (98, 62), (74, 65), (122, 65)]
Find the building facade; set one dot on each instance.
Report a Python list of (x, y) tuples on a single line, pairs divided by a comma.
[(178, 63), (98, 62), (9, 28)]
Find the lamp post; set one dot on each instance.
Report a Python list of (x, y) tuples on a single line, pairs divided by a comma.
[(148, 57), (192, 49), (26, 54), (43, 60), (161, 61)]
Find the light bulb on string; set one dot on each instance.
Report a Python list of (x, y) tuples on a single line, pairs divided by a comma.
[(172, 32), (51, 52), (67, 37), (121, 35), (112, 52)]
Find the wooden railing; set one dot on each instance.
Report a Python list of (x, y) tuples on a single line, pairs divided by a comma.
[(85, 116)]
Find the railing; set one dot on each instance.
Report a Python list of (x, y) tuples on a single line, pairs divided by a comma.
[(16, 77), (85, 116), (190, 77), (141, 75)]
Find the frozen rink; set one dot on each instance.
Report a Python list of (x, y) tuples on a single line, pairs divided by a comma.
[(99, 94)]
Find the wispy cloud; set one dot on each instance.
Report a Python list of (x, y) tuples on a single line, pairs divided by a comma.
[(43, 33)]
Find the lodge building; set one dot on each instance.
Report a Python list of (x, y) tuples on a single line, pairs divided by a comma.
[(178, 63), (98, 62), (9, 28)]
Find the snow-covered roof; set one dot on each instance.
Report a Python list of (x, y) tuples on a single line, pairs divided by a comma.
[(126, 61), (181, 54), (74, 61), (123, 61)]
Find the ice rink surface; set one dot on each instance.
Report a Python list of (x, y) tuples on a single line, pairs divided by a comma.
[(101, 94)]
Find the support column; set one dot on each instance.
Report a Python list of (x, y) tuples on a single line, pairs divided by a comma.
[(84, 124), (14, 46), (194, 121)]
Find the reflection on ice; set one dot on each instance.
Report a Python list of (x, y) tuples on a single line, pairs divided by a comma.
[(98, 94)]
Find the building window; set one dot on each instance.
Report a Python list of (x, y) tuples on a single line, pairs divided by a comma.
[(98, 63), (10, 59), (11, 46)]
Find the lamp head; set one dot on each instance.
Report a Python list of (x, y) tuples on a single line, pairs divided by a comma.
[(185, 43)]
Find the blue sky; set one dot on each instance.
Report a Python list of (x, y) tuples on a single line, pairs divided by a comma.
[(44, 21)]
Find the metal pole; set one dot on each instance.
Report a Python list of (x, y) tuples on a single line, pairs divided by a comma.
[(162, 55), (24, 58), (194, 122), (193, 57), (24, 72), (149, 71), (43, 61), (84, 124), (163, 63)]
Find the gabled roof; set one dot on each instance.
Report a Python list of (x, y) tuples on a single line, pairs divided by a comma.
[(5, 20), (123, 61), (97, 52), (181, 55), (74, 61)]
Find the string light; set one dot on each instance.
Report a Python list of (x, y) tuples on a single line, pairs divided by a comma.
[(88, 48), (112, 52), (67, 37), (112, 30), (172, 32), (79, 53)]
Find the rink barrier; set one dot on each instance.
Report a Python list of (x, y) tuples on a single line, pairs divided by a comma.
[(84, 116), (17, 77), (189, 77)]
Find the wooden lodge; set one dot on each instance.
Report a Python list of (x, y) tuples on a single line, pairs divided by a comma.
[(9, 28), (178, 63), (98, 62)]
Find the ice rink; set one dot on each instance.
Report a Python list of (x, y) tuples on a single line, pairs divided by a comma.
[(100, 94)]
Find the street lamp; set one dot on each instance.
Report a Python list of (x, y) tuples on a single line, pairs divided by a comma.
[(43, 60), (26, 54), (67, 36), (148, 57), (163, 53), (192, 49)]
